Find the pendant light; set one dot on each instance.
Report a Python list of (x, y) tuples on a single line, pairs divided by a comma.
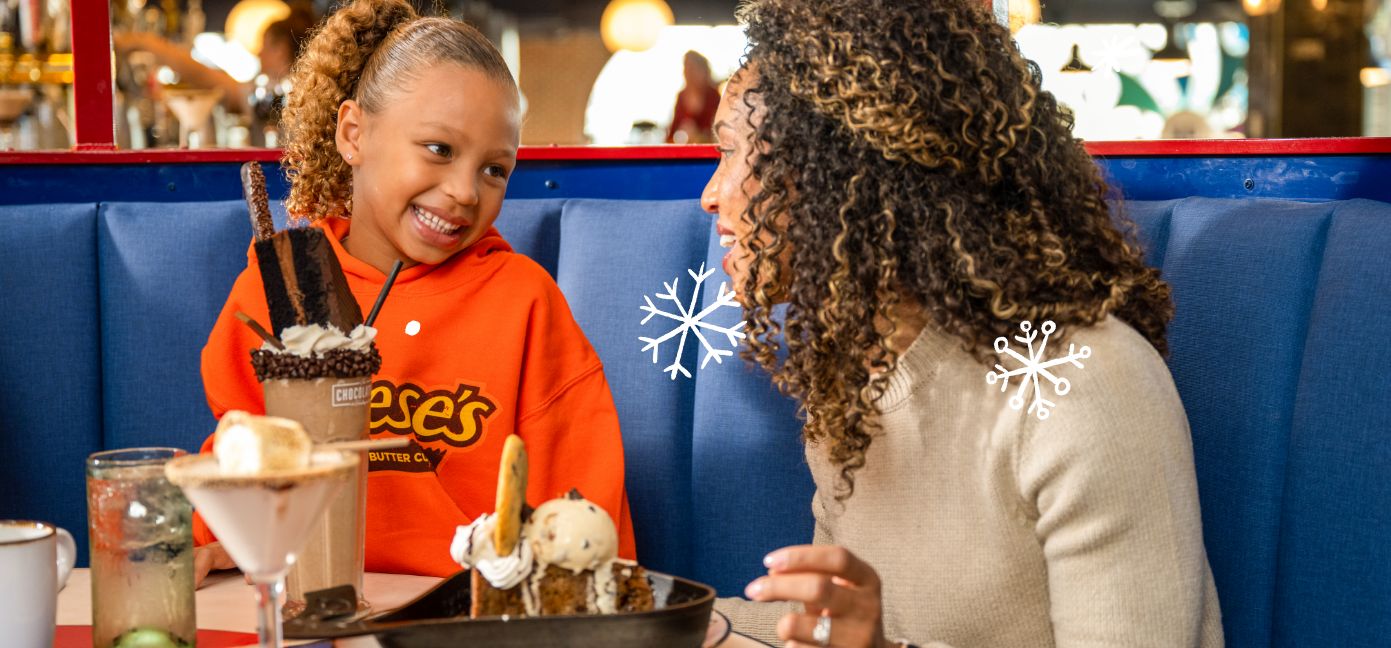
[(1076, 64), (1172, 55), (634, 24)]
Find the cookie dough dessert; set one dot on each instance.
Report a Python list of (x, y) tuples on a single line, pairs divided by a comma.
[(559, 558)]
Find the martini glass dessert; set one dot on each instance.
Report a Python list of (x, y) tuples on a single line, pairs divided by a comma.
[(192, 107), (261, 491)]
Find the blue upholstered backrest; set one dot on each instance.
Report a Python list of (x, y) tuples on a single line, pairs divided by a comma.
[(1278, 350), (715, 473), (50, 360), (165, 272)]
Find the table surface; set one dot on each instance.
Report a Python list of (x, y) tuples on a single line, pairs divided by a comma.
[(227, 602)]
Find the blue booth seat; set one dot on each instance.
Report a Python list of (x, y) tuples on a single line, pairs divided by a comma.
[(50, 362), (1278, 349)]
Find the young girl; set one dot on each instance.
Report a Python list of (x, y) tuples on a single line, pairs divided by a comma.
[(893, 174), (402, 132)]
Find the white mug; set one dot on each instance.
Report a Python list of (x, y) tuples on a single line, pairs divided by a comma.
[(35, 561)]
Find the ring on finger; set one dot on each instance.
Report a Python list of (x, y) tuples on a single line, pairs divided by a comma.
[(822, 633)]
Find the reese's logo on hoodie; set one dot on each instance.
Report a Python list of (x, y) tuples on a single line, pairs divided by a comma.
[(454, 416)]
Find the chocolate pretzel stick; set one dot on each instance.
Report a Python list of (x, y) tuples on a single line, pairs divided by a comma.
[(253, 185), (259, 330)]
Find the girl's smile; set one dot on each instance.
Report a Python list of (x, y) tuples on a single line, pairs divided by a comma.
[(436, 227)]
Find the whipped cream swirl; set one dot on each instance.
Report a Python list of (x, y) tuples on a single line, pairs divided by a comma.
[(473, 548), (311, 340)]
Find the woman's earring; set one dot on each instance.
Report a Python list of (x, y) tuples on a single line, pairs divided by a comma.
[(350, 157)]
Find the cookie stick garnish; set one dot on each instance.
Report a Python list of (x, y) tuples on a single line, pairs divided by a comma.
[(511, 496)]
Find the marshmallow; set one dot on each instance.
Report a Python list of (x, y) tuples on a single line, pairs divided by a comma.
[(251, 445)]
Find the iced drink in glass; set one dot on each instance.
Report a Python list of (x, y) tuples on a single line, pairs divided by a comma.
[(141, 536)]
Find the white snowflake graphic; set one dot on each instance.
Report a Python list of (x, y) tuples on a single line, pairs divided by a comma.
[(1033, 367), (691, 322)]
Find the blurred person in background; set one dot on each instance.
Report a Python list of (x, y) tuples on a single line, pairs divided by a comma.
[(695, 105), (280, 46)]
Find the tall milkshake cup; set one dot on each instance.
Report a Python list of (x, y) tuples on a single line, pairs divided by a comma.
[(324, 385)]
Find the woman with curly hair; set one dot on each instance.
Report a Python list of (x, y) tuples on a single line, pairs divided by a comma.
[(891, 172)]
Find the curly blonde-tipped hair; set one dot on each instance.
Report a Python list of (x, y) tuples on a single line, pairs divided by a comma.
[(365, 51), (907, 155)]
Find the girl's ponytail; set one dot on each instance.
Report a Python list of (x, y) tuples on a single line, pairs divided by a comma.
[(326, 75)]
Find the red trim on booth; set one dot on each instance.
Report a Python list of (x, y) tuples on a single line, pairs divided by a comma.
[(145, 156), (91, 65), (1173, 148), (1243, 147), (665, 152), (176, 156)]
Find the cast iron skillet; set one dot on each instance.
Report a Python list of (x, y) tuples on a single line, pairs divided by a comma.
[(439, 617)]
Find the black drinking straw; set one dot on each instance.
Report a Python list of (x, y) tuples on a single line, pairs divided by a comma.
[(381, 296)]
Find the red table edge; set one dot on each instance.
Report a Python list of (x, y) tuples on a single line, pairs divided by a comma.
[(1160, 148), (80, 636)]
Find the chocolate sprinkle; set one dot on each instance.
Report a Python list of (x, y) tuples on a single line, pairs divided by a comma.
[(338, 363)]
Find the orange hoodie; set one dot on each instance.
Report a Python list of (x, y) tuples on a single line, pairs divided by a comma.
[(473, 350)]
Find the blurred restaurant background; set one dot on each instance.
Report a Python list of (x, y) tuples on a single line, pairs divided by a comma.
[(213, 73)]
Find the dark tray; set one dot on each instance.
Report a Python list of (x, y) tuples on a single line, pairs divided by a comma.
[(439, 617)]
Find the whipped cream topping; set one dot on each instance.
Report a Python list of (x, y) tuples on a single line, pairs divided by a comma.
[(251, 445), (473, 548), (314, 339)]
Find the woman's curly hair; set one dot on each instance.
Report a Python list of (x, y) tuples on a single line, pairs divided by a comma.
[(365, 51), (907, 157)]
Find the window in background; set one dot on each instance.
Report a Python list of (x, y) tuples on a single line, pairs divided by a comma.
[(634, 98), (1376, 77), (1129, 82)]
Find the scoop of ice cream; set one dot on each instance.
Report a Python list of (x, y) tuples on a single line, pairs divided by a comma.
[(314, 339), (473, 548), (250, 445), (572, 533)]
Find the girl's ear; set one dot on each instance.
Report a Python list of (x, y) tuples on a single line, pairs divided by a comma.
[(349, 132)]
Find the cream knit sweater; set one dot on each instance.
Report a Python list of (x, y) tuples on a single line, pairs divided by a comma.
[(992, 528)]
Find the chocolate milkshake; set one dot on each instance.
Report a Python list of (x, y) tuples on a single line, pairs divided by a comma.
[(316, 368)]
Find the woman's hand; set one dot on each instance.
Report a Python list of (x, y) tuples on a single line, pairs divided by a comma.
[(828, 581), (207, 558)]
